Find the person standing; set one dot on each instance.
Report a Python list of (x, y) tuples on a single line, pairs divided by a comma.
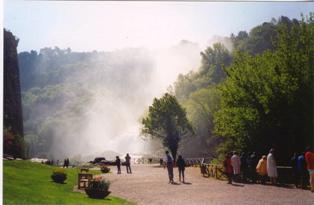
[(252, 161), (293, 163), (236, 164), (169, 164), (161, 162), (261, 169), (302, 171), (118, 163), (309, 158), (244, 166), (128, 163), (64, 163), (272, 167), (181, 167), (228, 168)]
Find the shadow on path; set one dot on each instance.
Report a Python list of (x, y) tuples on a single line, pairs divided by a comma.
[(238, 185)]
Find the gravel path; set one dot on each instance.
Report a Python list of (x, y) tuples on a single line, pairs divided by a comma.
[(148, 185)]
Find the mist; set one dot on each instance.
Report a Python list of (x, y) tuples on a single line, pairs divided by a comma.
[(107, 93)]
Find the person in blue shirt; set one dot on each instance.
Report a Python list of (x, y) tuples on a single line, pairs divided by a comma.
[(302, 171)]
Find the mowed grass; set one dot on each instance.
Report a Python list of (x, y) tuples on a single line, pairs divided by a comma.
[(29, 183)]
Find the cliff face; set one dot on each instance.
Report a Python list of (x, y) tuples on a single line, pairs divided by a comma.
[(12, 107)]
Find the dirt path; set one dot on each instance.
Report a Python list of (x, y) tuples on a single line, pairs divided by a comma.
[(148, 185)]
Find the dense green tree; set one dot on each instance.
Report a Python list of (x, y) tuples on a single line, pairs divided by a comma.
[(12, 105), (200, 107), (267, 99), (167, 121), (211, 72)]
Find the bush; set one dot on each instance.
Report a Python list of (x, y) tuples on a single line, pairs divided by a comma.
[(105, 169), (59, 175), (98, 188)]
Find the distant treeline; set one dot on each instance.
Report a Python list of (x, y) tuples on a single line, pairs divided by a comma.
[(259, 94), (59, 87)]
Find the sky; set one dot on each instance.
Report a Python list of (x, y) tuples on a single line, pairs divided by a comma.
[(107, 26)]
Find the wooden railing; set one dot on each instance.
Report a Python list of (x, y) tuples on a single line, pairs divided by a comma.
[(212, 170), (285, 173)]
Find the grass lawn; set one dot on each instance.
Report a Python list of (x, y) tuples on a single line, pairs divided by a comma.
[(29, 183)]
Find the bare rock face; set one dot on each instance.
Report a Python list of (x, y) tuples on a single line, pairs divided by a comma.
[(12, 107)]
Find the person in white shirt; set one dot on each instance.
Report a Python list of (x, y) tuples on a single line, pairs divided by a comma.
[(272, 167), (236, 164)]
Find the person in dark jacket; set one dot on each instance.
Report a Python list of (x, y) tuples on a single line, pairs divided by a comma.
[(181, 167), (252, 163), (118, 163), (244, 166), (293, 163), (128, 163)]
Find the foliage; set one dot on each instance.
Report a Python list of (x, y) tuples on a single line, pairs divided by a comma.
[(13, 144), (211, 72), (200, 107), (25, 182), (59, 175), (12, 106), (99, 184), (167, 120), (104, 169), (98, 188), (267, 99), (263, 96)]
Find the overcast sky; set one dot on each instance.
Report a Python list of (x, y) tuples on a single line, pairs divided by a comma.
[(105, 26)]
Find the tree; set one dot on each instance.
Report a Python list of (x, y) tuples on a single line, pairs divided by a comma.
[(267, 99), (167, 121), (12, 105), (213, 60), (200, 107)]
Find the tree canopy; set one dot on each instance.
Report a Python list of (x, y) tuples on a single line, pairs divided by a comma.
[(167, 121), (264, 93)]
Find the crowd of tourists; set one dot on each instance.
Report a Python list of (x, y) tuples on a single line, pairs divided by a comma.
[(250, 168), (245, 167)]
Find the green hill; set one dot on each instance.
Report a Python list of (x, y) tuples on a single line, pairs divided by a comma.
[(25, 182)]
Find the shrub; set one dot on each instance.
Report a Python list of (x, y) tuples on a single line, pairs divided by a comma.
[(105, 169), (98, 188), (59, 175)]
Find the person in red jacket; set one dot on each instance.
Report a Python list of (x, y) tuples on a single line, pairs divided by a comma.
[(228, 169), (309, 158)]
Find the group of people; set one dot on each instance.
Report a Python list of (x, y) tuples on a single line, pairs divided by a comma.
[(169, 163), (66, 163), (250, 168), (127, 164), (303, 168), (245, 168)]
